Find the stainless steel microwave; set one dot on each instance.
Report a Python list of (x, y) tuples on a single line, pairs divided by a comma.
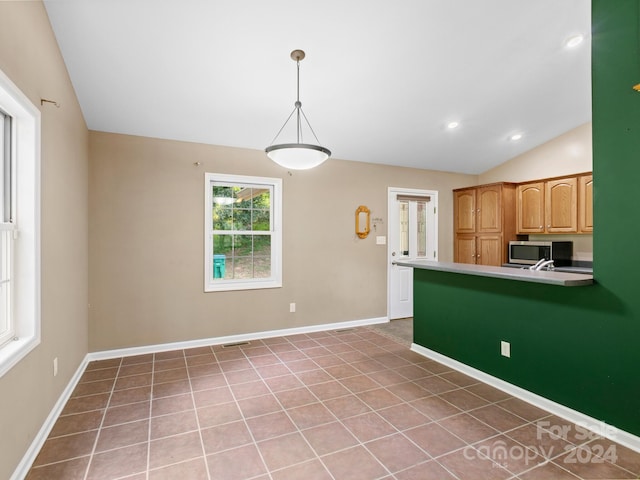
[(528, 253)]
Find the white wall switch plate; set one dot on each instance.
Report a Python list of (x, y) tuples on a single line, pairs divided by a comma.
[(292, 308), (505, 349), (381, 240)]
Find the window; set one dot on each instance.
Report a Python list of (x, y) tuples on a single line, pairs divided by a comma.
[(243, 232), (7, 229), (19, 225)]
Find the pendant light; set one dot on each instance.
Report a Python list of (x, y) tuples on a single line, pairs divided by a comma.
[(298, 155)]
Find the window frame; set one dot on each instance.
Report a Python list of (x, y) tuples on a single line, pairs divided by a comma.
[(7, 226), (275, 280), (24, 223)]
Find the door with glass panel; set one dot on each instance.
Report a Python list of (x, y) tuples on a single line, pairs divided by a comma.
[(413, 235)]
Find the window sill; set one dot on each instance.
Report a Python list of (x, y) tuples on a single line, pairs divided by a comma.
[(14, 351), (253, 285)]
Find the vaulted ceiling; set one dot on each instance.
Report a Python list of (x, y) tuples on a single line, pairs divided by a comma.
[(380, 82)]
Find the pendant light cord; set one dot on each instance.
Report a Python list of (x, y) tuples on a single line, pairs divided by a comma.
[(297, 110)]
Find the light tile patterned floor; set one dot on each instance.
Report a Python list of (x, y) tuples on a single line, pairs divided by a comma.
[(341, 405)]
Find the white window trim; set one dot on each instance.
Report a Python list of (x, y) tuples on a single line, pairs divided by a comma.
[(275, 281), (26, 152)]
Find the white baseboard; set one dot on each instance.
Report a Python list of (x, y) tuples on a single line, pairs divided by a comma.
[(597, 426), (29, 457), (25, 464), (245, 337)]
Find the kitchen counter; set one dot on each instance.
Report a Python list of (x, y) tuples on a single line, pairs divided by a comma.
[(522, 275)]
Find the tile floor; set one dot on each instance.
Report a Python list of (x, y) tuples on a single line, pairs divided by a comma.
[(341, 405)]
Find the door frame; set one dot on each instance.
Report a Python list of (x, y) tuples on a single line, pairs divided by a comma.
[(392, 193)]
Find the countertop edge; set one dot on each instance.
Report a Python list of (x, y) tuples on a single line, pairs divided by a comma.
[(523, 275)]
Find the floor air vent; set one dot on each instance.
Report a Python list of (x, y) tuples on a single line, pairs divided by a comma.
[(239, 344), (343, 330)]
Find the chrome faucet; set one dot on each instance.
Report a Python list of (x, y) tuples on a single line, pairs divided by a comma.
[(548, 264), (540, 262)]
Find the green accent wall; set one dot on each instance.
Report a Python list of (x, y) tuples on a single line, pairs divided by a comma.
[(578, 346)]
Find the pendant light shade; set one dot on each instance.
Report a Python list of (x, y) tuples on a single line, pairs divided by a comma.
[(298, 155)]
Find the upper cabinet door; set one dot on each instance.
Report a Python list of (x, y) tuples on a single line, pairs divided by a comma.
[(464, 203), (489, 203), (561, 200), (531, 208), (585, 203)]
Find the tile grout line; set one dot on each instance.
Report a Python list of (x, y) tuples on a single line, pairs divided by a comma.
[(153, 370), (244, 419), (195, 411), (104, 415)]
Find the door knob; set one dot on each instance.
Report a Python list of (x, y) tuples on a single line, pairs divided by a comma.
[(393, 254)]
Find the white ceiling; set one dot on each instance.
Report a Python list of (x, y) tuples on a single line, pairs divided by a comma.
[(380, 80)]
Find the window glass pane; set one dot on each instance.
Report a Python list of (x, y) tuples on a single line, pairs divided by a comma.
[(421, 229), (241, 218), (242, 245), (222, 195), (243, 197), (262, 267), (222, 218), (222, 244), (404, 227), (262, 198), (261, 220)]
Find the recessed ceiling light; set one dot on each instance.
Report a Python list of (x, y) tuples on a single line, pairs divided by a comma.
[(515, 137), (574, 40), (452, 125)]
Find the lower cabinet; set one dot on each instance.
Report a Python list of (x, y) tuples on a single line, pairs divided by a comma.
[(479, 249)]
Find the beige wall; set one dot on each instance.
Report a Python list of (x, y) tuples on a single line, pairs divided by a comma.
[(564, 155), (146, 242), (29, 56)]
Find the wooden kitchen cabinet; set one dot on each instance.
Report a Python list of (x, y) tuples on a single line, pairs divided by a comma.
[(464, 248), (531, 207), (479, 249), (465, 210), (561, 205), (549, 206), (585, 204), (484, 223), (489, 209)]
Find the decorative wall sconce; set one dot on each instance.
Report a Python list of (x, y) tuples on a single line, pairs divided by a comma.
[(637, 87), (362, 221)]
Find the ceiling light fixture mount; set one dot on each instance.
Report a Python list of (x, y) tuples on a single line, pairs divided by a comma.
[(298, 155)]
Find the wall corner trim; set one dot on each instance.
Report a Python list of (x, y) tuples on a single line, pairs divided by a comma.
[(625, 439)]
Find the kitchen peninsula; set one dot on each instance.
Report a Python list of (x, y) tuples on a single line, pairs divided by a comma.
[(518, 274)]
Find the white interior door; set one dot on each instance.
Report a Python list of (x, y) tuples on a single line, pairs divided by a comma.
[(413, 235)]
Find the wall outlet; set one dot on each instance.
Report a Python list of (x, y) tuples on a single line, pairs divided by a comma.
[(292, 308), (55, 367), (505, 349)]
